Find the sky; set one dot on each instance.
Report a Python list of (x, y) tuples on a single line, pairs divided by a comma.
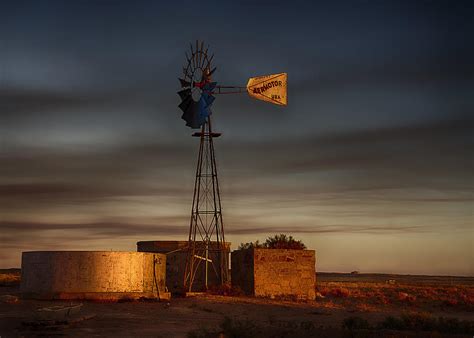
[(370, 164)]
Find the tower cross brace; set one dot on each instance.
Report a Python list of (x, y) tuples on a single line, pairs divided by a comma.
[(207, 256)]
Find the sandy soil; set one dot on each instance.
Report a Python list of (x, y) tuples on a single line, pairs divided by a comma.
[(182, 315)]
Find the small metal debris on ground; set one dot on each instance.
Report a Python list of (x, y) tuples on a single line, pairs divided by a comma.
[(59, 312), (55, 324), (9, 299), (56, 317)]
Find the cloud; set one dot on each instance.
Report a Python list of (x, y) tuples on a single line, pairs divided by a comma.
[(432, 155), (15, 101), (14, 232), (435, 70), (98, 229), (427, 155), (332, 229)]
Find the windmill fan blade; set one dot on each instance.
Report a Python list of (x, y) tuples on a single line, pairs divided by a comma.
[(209, 99), (184, 93), (203, 108), (187, 102), (207, 93), (192, 117), (209, 61), (198, 55), (204, 57), (202, 54), (194, 113), (212, 71), (184, 83)]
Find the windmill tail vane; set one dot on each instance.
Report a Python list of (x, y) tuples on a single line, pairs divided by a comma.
[(269, 88)]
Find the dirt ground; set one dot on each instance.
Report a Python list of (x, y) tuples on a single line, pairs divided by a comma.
[(338, 300)]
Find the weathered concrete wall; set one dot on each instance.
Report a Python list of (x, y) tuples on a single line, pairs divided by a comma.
[(176, 253), (242, 267), (275, 272), (92, 274)]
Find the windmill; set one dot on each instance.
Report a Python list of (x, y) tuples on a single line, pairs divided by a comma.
[(207, 253)]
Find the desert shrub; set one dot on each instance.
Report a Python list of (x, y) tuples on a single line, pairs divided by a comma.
[(323, 291), (355, 323), (450, 302), (454, 325), (392, 323), (382, 299), (419, 322), (307, 326), (280, 241), (202, 333), (250, 245), (468, 299), (229, 328), (234, 328), (405, 297), (340, 292), (239, 328), (10, 277)]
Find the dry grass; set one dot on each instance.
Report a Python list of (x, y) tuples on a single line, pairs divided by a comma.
[(373, 296), (9, 277), (418, 325)]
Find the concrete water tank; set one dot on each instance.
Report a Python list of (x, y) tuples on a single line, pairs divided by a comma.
[(107, 275)]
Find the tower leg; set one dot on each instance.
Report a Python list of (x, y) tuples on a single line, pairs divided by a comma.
[(206, 241)]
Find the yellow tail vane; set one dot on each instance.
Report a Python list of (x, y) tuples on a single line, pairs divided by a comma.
[(269, 88)]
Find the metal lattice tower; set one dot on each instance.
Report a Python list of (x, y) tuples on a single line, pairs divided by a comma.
[(206, 248)]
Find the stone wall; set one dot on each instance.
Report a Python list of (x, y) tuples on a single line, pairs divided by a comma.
[(275, 272), (92, 275)]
